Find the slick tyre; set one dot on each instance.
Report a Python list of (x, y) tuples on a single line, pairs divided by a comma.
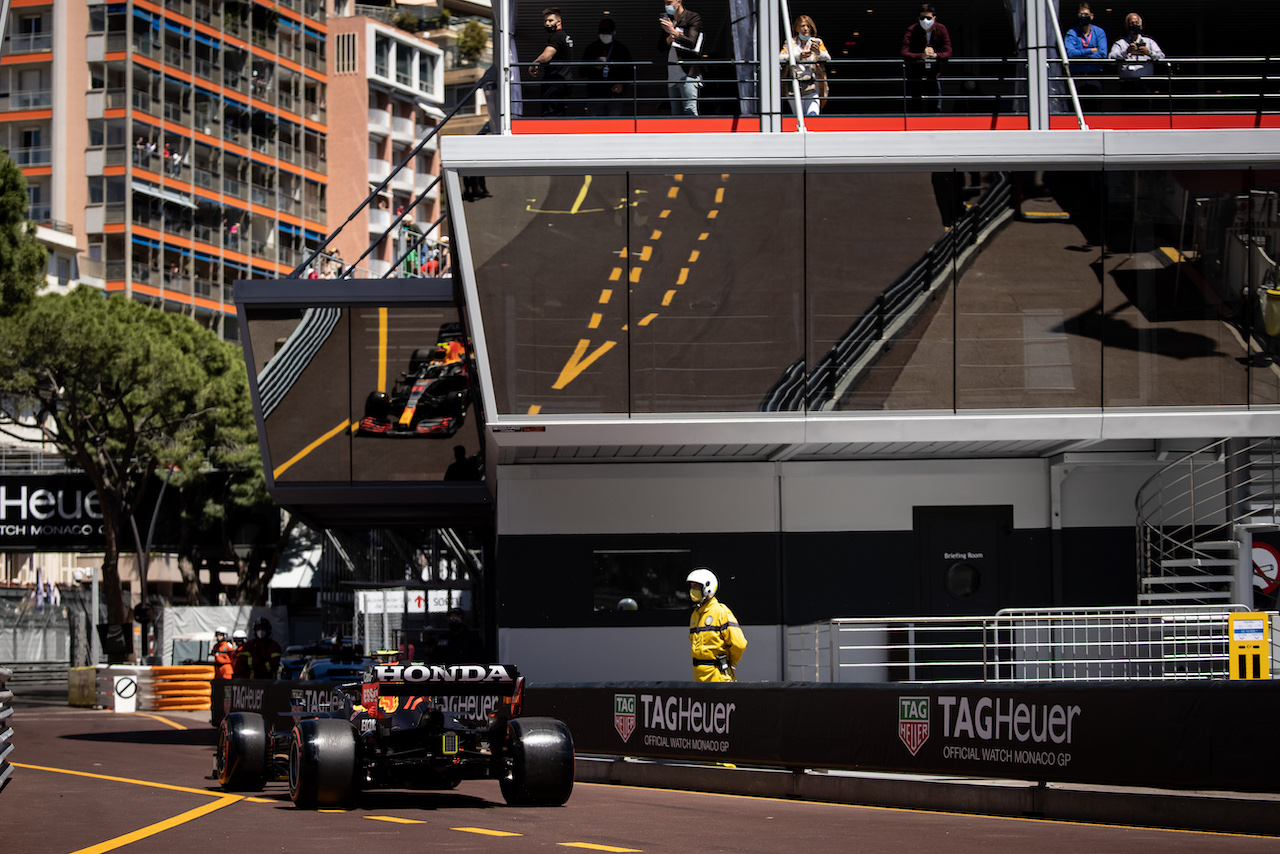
[(539, 769), (243, 745), (324, 762)]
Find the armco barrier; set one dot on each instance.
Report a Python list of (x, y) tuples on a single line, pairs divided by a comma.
[(6, 711), (1201, 735)]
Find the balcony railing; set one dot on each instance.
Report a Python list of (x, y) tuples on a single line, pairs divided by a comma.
[(30, 42), (32, 156), (313, 161), (31, 99)]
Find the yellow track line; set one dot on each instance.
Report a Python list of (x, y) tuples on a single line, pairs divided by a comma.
[(382, 349), (129, 780), (595, 847), (283, 467), (173, 724), (486, 832), (158, 827), (582, 194)]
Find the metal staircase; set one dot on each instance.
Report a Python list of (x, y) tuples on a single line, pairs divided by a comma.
[(1196, 521)]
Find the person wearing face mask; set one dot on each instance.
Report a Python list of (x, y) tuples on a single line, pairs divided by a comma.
[(808, 71), (261, 654), (682, 41), (551, 67), (1086, 40), (716, 638), (611, 78), (926, 46), (1135, 47)]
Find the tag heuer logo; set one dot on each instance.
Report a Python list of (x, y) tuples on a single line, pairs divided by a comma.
[(624, 714), (913, 722)]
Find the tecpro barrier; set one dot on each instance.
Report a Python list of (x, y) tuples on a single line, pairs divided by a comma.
[(6, 711), (1188, 735)]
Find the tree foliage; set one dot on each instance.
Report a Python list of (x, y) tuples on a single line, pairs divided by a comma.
[(22, 257), (123, 391), (472, 41)]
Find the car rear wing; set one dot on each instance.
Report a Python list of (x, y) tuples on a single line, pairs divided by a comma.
[(419, 679)]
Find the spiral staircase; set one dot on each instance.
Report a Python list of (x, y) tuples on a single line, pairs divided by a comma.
[(1197, 518)]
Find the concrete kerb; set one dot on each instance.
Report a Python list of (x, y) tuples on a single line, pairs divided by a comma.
[(1224, 812)]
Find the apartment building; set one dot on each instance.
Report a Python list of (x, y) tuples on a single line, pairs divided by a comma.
[(181, 145)]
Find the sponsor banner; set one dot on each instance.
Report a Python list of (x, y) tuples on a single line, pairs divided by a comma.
[(61, 513), (1193, 735)]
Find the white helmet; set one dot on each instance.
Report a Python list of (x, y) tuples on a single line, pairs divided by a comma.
[(221, 630), (706, 579)]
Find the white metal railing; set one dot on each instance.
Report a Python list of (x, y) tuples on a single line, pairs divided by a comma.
[(1019, 645)]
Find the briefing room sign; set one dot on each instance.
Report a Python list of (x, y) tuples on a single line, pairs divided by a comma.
[(49, 513)]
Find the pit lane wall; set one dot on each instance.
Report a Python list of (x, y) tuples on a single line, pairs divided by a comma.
[(1187, 735)]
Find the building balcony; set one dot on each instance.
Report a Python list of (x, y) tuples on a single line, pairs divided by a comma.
[(402, 180), (30, 42), (379, 220), (402, 129), (379, 122), (33, 156), (379, 169), (27, 99), (421, 183)]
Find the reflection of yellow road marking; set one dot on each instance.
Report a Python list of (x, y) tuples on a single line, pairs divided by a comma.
[(582, 194), (719, 195), (693, 256), (648, 318), (160, 719), (646, 253), (664, 214), (605, 295), (486, 831), (382, 349), (577, 364), (594, 847), (713, 213), (635, 274), (1174, 255), (704, 235), (673, 192), (535, 409), (666, 299), (595, 320), (615, 274), (284, 467), (683, 277), (657, 235), (395, 820)]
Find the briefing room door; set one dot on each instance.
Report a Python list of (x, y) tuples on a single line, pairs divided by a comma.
[(962, 550)]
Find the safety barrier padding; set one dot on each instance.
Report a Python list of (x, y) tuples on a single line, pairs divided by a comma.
[(6, 711), (179, 688)]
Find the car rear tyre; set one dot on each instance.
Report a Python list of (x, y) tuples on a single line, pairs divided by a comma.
[(323, 763), (243, 744), (540, 763)]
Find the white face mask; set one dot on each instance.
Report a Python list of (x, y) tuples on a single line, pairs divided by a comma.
[(260, 633), (927, 24), (606, 38)]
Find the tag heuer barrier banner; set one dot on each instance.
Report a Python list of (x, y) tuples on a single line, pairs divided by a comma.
[(1193, 735)]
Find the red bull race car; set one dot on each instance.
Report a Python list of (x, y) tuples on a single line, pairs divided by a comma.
[(405, 726), (430, 398)]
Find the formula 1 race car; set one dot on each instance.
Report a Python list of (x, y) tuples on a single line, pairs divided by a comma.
[(406, 726), (430, 398)]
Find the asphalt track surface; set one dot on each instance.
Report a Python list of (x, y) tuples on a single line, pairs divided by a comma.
[(91, 781)]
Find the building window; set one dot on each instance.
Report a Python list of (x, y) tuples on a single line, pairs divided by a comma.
[(426, 72), (382, 57), (344, 60), (641, 580)]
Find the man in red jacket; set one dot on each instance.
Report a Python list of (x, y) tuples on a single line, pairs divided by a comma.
[(925, 47)]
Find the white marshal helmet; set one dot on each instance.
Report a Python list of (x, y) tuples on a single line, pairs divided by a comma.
[(706, 579), (221, 630)]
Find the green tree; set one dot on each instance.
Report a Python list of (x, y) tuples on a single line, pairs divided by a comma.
[(472, 41), (123, 391), (22, 256)]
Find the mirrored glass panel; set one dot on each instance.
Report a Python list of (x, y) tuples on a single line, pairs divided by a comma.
[(879, 271), (1178, 254), (411, 394), (1028, 299), (716, 275), (549, 254), (303, 361), (1264, 278)]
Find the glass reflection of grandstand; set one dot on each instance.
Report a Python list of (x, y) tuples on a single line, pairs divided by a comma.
[(824, 354)]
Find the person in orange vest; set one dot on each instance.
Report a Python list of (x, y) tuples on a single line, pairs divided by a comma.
[(240, 665), (224, 654)]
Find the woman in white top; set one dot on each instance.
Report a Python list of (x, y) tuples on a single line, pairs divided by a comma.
[(808, 70)]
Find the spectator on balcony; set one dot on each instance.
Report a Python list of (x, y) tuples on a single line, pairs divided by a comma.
[(1086, 40), (551, 67), (140, 150), (1135, 47), (808, 70), (926, 46), (612, 76), (682, 41)]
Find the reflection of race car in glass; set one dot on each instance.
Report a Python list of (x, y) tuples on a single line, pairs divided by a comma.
[(410, 726), (430, 398)]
